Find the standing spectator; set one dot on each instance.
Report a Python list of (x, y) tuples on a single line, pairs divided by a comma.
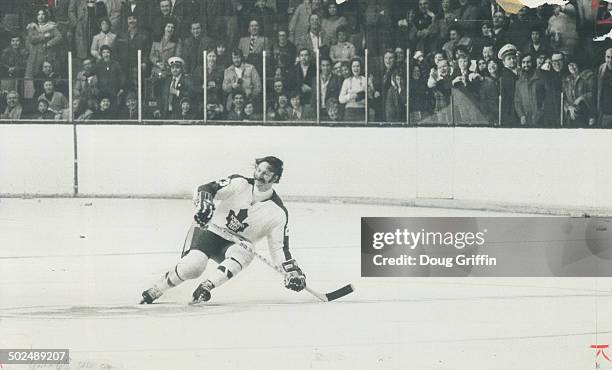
[(530, 94), (418, 95), (13, 108), (455, 39), (254, 45), (507, 81), (315, 38), (440, 84), (519, 28), (343, 50), (219, 18), (500, 30), (59, 13), (382, 81), (562, 30), (484, 39), (302, 77), (141, 9), (43, 39), (604, 91), (427, 30), (86, 81), (283, 51), (214, 79), (164, 49), (11, 60), (113, 11), (579, 88), (57, 102), (241, 77), (536, 44), (79, 21), (489, 93), (378, 26), (264, 16), (354, 93), (224, 59), (193, 47), (174, 88), (332, 22), (329, 84), (111, 78), (105, 37), (395, 102), (446, 18), (467, 17), (406, 30), (127, 45), (161, 16), (298, 26)]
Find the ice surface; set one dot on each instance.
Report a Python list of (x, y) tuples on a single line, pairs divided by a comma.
[(72, 271)]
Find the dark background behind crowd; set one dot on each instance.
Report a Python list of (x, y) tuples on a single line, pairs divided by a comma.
[(470, 62)]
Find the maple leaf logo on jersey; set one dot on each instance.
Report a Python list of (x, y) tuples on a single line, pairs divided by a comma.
[(235, 222)]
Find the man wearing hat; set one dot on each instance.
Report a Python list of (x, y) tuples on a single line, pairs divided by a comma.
[(174, 88), (507, 81)]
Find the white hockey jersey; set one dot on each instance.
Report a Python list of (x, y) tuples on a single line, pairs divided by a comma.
[(236, 211)]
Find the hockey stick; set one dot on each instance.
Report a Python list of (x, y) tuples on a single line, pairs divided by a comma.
[(323, 297)]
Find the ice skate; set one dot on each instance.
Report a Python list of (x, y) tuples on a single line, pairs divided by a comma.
[(202, 292), (151, 294)]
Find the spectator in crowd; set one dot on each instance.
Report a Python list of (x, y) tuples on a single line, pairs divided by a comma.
[(562, 29), (427, 31), (236, 108), (283, 51), (278, 88), (78, 12), (214, 79), (111, 78), (378, 24), (13, 109), (406, 30), (604, 91), (162, 16), (382, 72), (299, 112), (185, 113), (499, 32), (43, 39), (446, 18), (264, 16), (300, 21), (250, 113), (354, 92), (315, 38), (126, 49), (332, 22), (467, 17), (76, 111), (241, 77), (282, 108), (105, 37), (302, 76), (454, 39), (343, 50), (43, 111), (485, 38), (113, 10), (11, 60), (47, 72), (59, 13), (488, 53), (418, 94), (519, 28), (395, 102), (164, 49), (174, 88), (530, 94), (129, 110), (193, 47), (224, 58), (489, 93), (141, 10), (507, 81), (86, 81), (440, 84), (106, 111), (536, 43), (334, 113), (57, 102), (578, 94), (253, 46), (219, 18), (330, 84)]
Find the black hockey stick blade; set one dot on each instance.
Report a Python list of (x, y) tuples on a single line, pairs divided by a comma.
[(339, 293)]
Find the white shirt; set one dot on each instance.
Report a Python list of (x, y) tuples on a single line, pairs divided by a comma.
[(239, 71), (316, 41), (241, 209)]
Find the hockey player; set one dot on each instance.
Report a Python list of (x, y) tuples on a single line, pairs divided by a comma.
[(246, 207)]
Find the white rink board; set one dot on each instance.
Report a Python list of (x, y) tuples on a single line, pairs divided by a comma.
[(73, 282)]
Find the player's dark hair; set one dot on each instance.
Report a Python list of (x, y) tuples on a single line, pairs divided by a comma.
[(275, 163)]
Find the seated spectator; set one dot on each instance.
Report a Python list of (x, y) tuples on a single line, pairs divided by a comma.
[(278, 88), (249, 112), (354, 92), (13, 110), (161, 16), (104, 38), (78, 105), (224, 59), (43, 111), (164, 49), (334, 113), (236, 109), (282, 108), (193, 47), (111, 77), (299, 112), (253, 46), (48, 73), (129, 110), (264, 15), (299, 23), (86, 81), (12, 59), (485, 38), (455, 39), (106, 111), (241, 77), (185, 113), (56, 101), (343, 50)]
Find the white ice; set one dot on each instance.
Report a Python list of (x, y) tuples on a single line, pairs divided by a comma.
[(72, 270)]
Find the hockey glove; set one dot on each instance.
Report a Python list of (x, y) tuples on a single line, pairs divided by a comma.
[(205, 212), (294, 277)]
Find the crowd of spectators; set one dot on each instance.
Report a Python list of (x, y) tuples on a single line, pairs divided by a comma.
[(470, 62)]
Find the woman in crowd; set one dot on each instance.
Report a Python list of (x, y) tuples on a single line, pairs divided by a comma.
[(106, 110), (163, 50), (354, 93), (489, 93), (105, 37), (13, 108), (332, 22)]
